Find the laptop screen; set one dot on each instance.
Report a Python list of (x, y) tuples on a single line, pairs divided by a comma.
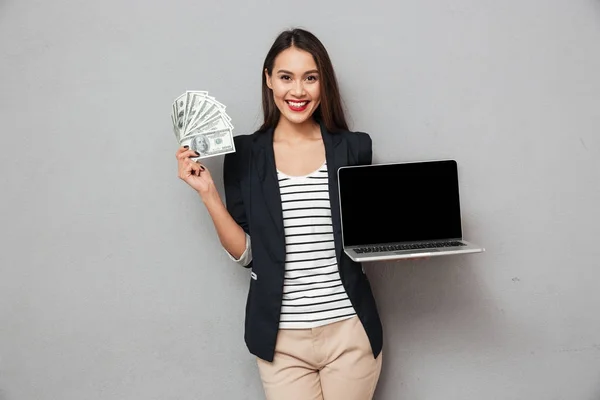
[(400, 202)]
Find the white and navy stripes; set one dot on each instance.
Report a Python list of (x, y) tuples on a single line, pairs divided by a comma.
[(313, 294)]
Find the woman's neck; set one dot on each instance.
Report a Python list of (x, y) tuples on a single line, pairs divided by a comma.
[(290, 132)]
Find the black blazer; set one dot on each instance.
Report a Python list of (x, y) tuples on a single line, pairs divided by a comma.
[(254, 201)]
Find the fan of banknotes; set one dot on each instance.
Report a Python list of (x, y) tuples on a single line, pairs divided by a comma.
[(200, 122)]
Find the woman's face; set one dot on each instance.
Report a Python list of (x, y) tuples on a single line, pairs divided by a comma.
[(295, 85)]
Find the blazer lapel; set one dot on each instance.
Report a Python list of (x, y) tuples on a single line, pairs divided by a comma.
[(267, 172), (336, 154)]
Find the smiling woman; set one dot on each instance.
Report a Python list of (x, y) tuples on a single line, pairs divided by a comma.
[(312, 70), (295, 90), (311, 318)]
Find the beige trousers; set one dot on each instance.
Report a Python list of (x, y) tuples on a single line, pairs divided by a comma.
[(331, 362)]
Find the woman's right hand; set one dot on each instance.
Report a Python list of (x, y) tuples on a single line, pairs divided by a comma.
[(193, 173)]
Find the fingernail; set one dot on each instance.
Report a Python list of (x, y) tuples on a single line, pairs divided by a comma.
[(186, 147), (197, 154), (202, 167)]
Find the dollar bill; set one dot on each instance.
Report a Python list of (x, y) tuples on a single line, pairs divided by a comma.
[(210, 144), (194, 101), (180, 111), (174, 120)]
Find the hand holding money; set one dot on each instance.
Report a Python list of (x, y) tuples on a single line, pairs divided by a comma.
[(194, 174), (201, 123)]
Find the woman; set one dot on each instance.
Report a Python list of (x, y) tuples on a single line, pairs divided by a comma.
[(311, 318)]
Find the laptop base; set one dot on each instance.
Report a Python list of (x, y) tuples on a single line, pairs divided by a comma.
[(466, 248)]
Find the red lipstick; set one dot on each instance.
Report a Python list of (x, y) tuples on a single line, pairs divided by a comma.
[(297, 106)]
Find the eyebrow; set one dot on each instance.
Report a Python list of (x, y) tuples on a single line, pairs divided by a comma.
[(283, 71)]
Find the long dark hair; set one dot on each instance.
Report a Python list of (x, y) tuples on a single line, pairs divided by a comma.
[(330, 110)]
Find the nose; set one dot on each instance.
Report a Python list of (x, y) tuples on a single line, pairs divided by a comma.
[(298, 89)]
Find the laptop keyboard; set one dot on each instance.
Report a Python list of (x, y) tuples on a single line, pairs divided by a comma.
[(413, 246)]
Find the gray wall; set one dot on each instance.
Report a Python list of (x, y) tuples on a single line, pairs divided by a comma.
[(109, 262)]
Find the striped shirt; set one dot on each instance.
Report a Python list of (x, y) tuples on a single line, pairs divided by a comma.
[(313, 294)]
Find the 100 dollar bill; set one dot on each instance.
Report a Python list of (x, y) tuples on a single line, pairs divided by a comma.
[(210, 144)]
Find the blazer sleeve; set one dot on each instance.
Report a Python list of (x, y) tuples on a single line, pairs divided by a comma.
[(232, 169), (365, 149)]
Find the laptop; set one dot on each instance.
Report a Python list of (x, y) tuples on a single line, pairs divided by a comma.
[(401, 210)]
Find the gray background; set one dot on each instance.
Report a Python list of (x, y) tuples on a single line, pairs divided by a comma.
[(110, 265)]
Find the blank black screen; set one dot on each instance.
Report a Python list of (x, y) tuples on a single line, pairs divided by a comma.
[(390, 203)]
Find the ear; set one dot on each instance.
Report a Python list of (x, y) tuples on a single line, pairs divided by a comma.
[(268, 78)]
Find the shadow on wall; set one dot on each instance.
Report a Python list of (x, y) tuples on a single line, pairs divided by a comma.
[(433, 308)]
